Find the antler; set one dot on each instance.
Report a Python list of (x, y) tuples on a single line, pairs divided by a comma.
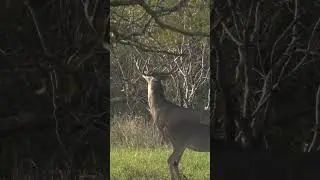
[(164, 73), (153, 73), (144, 68)]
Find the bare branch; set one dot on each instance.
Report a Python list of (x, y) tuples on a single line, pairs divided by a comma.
[(313, 53), (308, 48), (116, 3), (278, 40), (232, 37), (54, 86), (147, 48), (316, 125), (287, 54), (43, 44), (167, 26), (236, 24), (181, 4)]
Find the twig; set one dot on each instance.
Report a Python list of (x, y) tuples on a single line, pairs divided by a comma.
[(278, 40), (308, 48), (43, 44), (316, 125), (53, 78), (145, 48), (232, 37)]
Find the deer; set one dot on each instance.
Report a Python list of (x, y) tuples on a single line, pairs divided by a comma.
[(183, 127)]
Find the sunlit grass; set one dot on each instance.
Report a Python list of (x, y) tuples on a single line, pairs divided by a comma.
[(131, 163)]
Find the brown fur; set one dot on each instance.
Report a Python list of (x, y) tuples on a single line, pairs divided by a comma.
[(184, 127)]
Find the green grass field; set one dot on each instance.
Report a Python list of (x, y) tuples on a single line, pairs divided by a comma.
[(129, 163), (137, 153)]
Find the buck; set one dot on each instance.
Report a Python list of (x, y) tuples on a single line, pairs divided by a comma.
[(183, 127)]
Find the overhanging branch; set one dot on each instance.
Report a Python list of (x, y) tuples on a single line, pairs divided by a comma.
[(118, 3), (154, 15)]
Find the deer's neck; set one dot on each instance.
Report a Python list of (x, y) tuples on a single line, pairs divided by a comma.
[(156, 96)]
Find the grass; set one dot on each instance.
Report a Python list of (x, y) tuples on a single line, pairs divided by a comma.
[(146, 164), (138, 152)]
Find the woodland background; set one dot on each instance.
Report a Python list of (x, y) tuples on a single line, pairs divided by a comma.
[(54, 79), (266, 73), (265, 87)]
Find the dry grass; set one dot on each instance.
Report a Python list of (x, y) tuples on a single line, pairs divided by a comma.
[(132, 131)]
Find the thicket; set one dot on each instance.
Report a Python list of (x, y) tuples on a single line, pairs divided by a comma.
[(266, 73), (54, 89)]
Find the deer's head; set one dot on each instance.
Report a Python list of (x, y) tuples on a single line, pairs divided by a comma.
[(154, 78)]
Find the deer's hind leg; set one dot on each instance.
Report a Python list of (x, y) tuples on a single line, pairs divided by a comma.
[(171, 166), (174, 161)]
